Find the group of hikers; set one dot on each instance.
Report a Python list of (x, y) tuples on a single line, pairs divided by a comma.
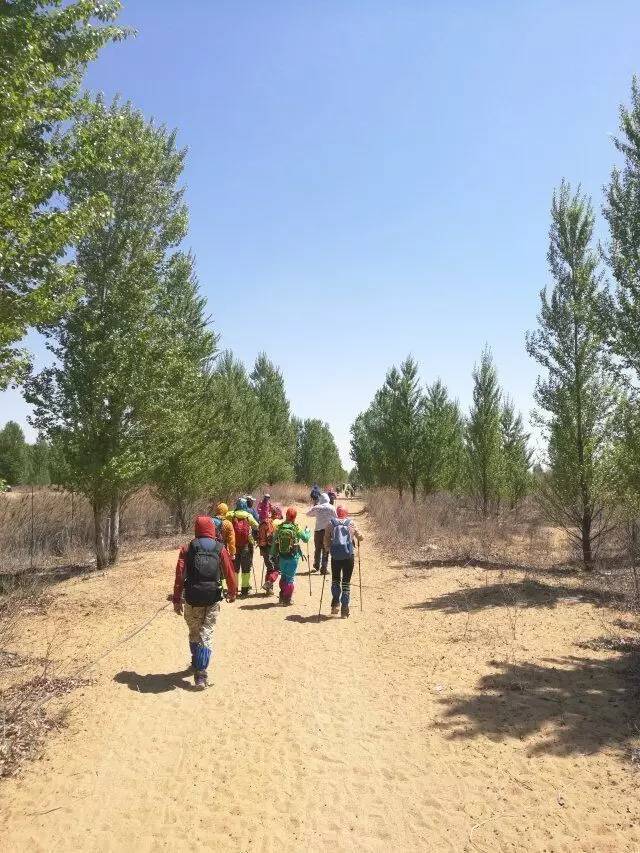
[(219, 561)]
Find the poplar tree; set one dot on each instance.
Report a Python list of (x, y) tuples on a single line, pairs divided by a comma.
[(575, 394), (516, 455), (120, 353), (268, 383), (45, 49), (442, 444), (483, 435)]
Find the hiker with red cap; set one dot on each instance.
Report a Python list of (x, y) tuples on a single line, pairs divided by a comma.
[(339, 540), (286, 549), (197, 591)]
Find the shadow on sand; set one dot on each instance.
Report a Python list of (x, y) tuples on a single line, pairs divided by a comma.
[(161, 682)]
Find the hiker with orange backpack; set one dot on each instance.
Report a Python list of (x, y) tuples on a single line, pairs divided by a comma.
[(202, 566), (286, 549), (340, 537)]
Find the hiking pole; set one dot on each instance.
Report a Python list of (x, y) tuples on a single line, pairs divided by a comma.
[(324, 577), (309, 569), (255, 585), (360, 575), (262, 574)]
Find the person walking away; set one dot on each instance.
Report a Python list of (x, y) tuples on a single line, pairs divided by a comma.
[(286, 548), (339, 539), (224, 529), (316, 491), (197, 591), (264, 508), (332, 495), (254, 514), (242, 529), (323, 513), (267, 531)]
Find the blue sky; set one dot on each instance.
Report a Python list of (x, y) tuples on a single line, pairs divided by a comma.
[(369, 179)]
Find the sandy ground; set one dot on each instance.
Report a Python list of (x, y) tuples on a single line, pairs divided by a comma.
[(463, 710)]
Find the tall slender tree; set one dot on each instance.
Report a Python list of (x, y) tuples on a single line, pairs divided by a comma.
[(268, 383), (576, 393), (46, 46), (121, 352), (517, 455), (483, 435), (442, 444)]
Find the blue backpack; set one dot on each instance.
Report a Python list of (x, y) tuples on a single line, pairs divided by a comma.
[(341, 539)]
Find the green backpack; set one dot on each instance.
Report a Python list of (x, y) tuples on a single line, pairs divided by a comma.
[(287, 540)]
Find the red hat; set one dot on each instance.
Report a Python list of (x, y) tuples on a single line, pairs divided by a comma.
[(292, 512), (205, 528), (342, 512)]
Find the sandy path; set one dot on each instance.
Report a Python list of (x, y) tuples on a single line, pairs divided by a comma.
[(444, 718)]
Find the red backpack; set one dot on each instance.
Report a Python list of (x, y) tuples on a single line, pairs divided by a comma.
[(242, 531)]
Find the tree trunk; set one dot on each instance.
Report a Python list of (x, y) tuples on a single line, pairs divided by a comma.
[(414, 487), (114, 529), (400, 490), (587, 556), (181, 516), (98, 522)]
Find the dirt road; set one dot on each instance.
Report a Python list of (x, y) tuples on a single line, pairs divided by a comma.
[(449, 716)]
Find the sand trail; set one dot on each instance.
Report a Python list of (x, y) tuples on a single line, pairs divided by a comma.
[(420, 724)]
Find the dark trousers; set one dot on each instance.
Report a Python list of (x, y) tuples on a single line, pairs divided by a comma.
[(318, 550), (341, 571)]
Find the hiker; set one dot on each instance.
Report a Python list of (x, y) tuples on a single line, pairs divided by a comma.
[(254, 513), (224, 529), (339, 539), (286, 549), (264, 508), (323, 512), (202, 564), (332, 495), (243, 522), (315, 493)]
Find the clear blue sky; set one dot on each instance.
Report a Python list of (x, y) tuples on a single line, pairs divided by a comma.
[(369, 179)]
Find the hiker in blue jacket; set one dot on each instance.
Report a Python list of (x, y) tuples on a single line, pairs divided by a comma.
[(340, 536)]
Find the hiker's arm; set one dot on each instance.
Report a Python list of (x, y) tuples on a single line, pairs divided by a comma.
[(229, 574), (356, 533), (178, 583), (313, 510), (326, 540), (229, 537)]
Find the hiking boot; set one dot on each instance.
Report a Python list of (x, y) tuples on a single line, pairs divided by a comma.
[(268, 588), (324, 571), (344, 611), (315, 569), (335, 609), (201, 680), (287, 602), (244, 593)]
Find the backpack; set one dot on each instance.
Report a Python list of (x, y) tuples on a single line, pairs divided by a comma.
[(218, 525), (265, 533), (202, 585), (341, 547), (242, 531), (287, 540)]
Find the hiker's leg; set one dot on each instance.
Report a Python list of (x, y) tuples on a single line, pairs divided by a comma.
[(347, 571), (288, 573), (318, 539), (193, 619), (245, 566), (335, 582), (325, 556)]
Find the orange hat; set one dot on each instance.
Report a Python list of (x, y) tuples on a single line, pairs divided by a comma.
[(292, 512), (342, 512), (222, 510)]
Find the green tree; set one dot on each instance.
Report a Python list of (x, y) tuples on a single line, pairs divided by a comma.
[(13, 454), (317, 457), (268, 384), (516, 455), (442, 442), (38, 454), (120, 353), (622, 211), (483, 435), (45, 49), (576, 394)]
